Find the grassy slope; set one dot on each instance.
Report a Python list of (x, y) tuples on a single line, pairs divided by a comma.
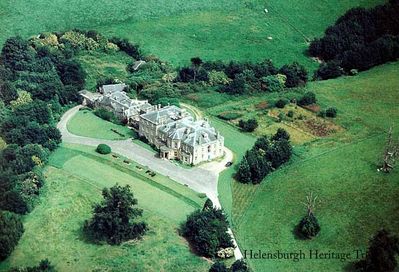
[(71, 189), (85, 123), (184, 29), (356, 199), (100, 65)]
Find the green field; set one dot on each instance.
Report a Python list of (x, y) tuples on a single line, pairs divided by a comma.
[(179, 30), (356, 200), (75, 177), (85, 123)]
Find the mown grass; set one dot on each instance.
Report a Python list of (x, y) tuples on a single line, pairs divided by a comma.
[(179, 30), (85, 123), (74, 183)]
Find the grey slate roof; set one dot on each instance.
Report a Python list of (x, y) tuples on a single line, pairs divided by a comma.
[(113, 88), (165, 115), (190, 132)]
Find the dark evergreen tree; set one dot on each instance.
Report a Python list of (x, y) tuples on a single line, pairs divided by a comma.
[(281, 134), (11, 230), (240, 266), (218, 267), (381, 254)]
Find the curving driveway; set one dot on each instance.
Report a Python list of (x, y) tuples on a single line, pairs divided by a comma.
[(202, 179)]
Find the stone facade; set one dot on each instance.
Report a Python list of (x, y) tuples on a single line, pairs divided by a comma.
[(170, 129)]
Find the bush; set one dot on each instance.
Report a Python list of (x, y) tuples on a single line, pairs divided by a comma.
[(229, 115), (331, 112), (290, 114), (308, 98), (218, 267), (11, 230), (274, 83), (44, 266), (308, 227), (103, 149), (249, 125), (281, 103)]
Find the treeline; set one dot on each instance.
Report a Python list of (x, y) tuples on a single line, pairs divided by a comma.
[(243, 77), (264, 157), (359, 40), (39, 79)]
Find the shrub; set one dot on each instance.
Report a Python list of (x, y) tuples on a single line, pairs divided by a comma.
[(281, 103), (307, 99), (11, 230), (44, 266), (240, 266), (274, 83), (309, 226), (217, 78), (229, 115), (103, 149), (331, 112), (249, 125), (290, 113)]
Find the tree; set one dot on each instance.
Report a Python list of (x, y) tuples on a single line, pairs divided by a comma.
[(72, 73), (281, 103), (8, 92), (240, 266), (281, 134), (381, 254), (207, 232), (391, 153), (244, 171), (329, 70), (196, 63), (309, 227), (249, 125), (114, 219), (218, 267), (11, 230), (296, 74), (308, 98), (274, 83)]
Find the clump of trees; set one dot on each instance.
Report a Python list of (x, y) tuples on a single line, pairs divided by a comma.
[(248, 125), (206, 231), (360, 39), (381, 254), (237, 266), (243, 78), (264, 157), (309, 226), (115, 219), (11, 230)]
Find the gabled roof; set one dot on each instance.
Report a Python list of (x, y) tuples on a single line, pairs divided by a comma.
[(113, 88)]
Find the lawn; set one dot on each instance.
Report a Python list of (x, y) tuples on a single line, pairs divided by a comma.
[(75, 177), (179, 30), (85, 123)]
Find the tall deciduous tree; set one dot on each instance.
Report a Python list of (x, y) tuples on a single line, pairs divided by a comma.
[(115, 218)]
